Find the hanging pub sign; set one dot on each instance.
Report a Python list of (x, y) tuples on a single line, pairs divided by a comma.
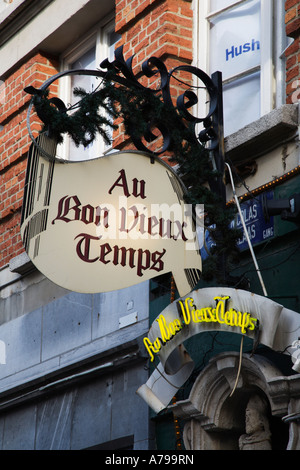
[(107, 223), (210, 309)]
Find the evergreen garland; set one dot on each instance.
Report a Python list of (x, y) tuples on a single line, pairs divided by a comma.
[(139, 108)]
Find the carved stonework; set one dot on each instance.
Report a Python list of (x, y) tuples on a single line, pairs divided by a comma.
[(258, 434), (241, 421)]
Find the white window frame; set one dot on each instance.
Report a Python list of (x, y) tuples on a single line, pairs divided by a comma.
[(98, 37), (272, 47)]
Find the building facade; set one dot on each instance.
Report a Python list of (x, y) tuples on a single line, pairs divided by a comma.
[(70, 362)]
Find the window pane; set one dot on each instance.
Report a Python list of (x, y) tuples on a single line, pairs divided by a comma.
[(241, 100), (88, 83), (112, 39), (88, 58), (235, 40), (82, 153), (86, 61), (220, 4)]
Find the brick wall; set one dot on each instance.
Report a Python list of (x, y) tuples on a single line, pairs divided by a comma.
[(156, 27), (14, 144), (292, 24), (160, 28)]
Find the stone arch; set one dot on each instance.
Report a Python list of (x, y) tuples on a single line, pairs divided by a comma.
[(214, 419)]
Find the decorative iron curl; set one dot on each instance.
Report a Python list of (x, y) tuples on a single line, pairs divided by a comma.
[(155, 67), (120, 71)]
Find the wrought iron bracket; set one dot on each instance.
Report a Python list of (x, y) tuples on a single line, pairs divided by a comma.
[(210, 138), (120, 71)]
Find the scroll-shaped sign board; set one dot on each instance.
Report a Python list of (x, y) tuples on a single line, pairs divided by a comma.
[(108, 223), (211, 309)]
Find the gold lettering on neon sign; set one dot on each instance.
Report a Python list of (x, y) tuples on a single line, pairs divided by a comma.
[(189, 313)]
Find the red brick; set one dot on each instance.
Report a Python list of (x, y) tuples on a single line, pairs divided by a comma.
[(291, 61), (291, 3), (290, 15), (292, 74), (293, 28), (169, 25), (14, 145)]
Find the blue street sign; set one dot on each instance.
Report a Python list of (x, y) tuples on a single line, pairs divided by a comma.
[(259, 230)]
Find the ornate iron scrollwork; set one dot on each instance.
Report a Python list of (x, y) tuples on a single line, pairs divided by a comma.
[(120, 74), (120, 71)]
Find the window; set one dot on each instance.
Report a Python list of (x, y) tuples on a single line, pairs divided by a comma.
[(88, 54), (238, 38)]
